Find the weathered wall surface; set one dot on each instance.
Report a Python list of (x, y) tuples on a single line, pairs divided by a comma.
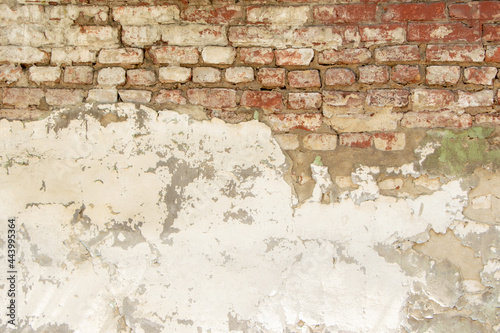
[(243, 166)]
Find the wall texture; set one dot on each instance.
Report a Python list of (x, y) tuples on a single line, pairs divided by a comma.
[(251, 166)]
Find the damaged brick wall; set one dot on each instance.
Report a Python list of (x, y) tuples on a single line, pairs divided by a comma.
[(388, 115)]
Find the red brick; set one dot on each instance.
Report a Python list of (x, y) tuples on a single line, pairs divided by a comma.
[(284, 122), (125, 56), (63, 96), (294, 57), (304, 101), (169, 96), (331, 14), (141, 77), (270, 101), (414, 12), (304, 79), (213, 14), (256, 56), (345, 56), (436, 120), (387, 97), (344, 102), (22, 97), (480, 75), (78, 74), (216, 98), (451, 53), (373, 74), (356, 140), (389, 141), (174, 55), (432, 99), (443, 32), (405, 74), (493, 118), (491, 32), (483, 10), (271, 77), (401, 53), (383, 33), (339, 76), (492, 54)]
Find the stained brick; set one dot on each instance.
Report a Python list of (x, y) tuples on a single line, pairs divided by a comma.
[(213, 14), (322, 141), (491, 32), (141, 77), (483, 98), (339, 76), (271, 77), (270, 101), (23, 55), (285, 122), (174, 55), (436, 120), (443, 32), (304, 79), (111, 76), (414, 12), (126, 56), (480, 75), (442, 75), (351, 13), (402, 53), (169, 96), (389, 141), (432, 99), (492, 118), (78, 74), (345, 56), (240, 74), (356, 140), (451, 53), (387, 97), (492, 54), (10, 73), (343, 102), (44, 74), (22, 97), (405, 74), (373, 74), (216, 98), (194, 35), (256, 56), (64, 96), (287, 141), (294, 57), (304, 101)]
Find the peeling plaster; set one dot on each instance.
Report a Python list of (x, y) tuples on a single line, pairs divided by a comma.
[(156, 222)]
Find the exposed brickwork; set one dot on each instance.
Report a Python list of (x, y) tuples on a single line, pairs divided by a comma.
[(369, 69)]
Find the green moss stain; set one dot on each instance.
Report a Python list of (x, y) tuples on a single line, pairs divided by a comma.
[(462, 152)]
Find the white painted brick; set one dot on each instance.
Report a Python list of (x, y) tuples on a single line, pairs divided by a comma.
[(44, 74), (10, 73), (102, 95), (123, 56), (174, 74), (111, 76), (22, 55), (287, 141), (140, 36), (144, 15), (135, 96), (206, 75), (72, 55), (194, 35), (442, 75), (218, 55), (92, 36)]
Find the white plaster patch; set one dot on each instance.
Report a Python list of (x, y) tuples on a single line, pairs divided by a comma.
[(177, 225)]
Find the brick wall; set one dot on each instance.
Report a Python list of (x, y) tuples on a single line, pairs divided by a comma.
[(357, 74)]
